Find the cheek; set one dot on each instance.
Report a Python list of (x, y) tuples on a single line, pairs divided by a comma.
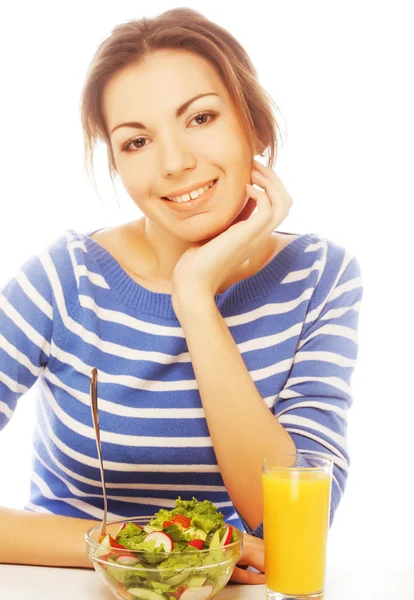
[(227, 147), (137, 187)]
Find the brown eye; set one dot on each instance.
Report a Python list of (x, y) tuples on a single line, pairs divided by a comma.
[(129, 144), (203, 115), (208, 113)]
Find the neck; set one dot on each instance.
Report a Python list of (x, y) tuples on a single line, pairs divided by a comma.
[(163, 251)]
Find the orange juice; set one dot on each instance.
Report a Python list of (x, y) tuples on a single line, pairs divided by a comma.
[(296, 522)]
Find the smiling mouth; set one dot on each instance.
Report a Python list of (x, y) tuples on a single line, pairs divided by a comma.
[(192, 206), (191, 199)]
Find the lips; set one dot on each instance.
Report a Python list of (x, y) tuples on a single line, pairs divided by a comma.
[(193, 205), (166, 198)]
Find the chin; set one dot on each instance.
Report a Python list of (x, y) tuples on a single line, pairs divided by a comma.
[(203, 232)]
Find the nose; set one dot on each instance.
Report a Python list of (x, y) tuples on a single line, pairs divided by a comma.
[(175, 157)]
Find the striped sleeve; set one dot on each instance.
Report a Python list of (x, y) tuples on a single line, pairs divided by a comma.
[(313, 404), (26, 318)]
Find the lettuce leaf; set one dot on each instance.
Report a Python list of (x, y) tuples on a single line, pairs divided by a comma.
[(131, 534), (157, 522), (204, 515)]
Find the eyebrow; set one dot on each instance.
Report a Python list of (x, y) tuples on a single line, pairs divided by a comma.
[(180, 110)]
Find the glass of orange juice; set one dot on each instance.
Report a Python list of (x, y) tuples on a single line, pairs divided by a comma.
[(296, 507)]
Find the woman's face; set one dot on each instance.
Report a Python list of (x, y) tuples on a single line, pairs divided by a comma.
[(167, 151)]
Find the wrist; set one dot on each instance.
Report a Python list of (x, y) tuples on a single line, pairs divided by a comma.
[(191, 303)]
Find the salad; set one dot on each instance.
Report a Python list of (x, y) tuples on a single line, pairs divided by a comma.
[(186, 553)]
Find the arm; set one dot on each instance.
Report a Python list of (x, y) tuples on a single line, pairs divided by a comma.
[(30, 539), (26, 323), (315, 399), (26, 326), (311, 408), (242, 429), (227, 391)]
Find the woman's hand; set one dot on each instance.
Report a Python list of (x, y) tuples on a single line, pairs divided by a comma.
[(203, 269), (253, 555)]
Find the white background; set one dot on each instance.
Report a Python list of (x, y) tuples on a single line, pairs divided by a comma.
[(341, 75)]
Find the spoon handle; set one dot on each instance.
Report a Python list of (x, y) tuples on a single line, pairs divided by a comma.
[(95, 418)]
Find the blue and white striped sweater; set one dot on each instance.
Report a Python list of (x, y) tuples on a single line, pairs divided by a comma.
[(73, 307)]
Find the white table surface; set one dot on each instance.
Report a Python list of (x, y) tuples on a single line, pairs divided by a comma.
[(346, 581)]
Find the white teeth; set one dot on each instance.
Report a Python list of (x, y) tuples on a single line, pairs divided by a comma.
[(192, 195)]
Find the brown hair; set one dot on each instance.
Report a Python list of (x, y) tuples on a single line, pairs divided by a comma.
[(186, 29)]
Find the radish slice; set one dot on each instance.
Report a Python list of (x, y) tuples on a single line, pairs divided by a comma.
[(160, 538), (227, 535), (127, 560), (197, 593), (148, 529)]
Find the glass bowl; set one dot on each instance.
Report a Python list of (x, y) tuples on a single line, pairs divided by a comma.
[(190, 574)]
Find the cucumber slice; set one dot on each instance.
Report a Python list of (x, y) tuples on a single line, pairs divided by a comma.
[(177, 579), (196, 533), (215, 540), (197, 593), (199, 534), (210, 535), (196, 581), (105, 547), (145, 594), (160, 587)]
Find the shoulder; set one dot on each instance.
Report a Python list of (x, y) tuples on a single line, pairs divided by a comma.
[(336, 274), (57, 256), (320, 269), (46, 278), (58, 262), (327, 254), (37, 267)]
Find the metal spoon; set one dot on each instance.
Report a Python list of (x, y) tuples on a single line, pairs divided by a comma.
[(95, 418)]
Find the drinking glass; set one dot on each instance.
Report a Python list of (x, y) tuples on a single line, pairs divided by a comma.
[(296, 499)]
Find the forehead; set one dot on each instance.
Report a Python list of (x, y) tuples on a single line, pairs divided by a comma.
[(165, 79)]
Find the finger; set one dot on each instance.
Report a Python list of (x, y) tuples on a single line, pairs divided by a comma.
[(279, 201), (246, 212), (258, 165), (250, 577), (261, 179), (264, 206), (273, 190), (266, 175), (270, 188), (252, 226), (255, 559)]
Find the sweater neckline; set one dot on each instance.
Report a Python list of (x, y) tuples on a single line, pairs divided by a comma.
[(159, 304)]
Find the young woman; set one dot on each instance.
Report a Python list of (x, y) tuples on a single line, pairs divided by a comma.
[(218, 339)]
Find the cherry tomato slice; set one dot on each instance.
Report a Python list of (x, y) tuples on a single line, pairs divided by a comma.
[(181, 520)]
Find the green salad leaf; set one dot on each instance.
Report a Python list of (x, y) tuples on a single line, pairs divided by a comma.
[(177, 562), (204, 515), (157, 522), (130, 536), (179, 537)]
